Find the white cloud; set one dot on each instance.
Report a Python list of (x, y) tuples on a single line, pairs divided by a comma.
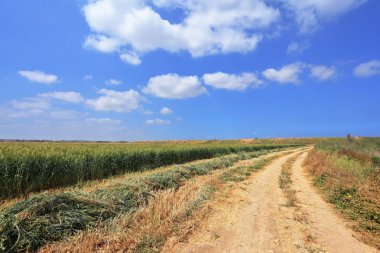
[(88, 77), (310, 13), (25, 108), (174, 86), (30, 104), (166, 111), (71, 97), (116, 101), (205, 27), (112, 82), (287, 74), (220, 80), (6, 113), (39, 76), (368, 69), (65, 114), (103, 121), (322, 72), (157, 122), (131, 58), (92, 129), (208, 27), (298, 47), (102, 43), (147, 112)]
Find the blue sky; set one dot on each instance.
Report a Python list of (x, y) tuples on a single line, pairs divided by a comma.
[(170, 69)]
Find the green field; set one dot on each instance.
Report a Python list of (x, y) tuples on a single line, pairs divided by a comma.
[(26, 225), (31, 167)]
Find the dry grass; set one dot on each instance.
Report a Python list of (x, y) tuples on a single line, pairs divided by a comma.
[(147, 229), (346, 182), (285, 181)]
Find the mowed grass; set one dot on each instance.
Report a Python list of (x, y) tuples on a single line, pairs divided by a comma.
[(45, 218), (348, 172), (31, 167)]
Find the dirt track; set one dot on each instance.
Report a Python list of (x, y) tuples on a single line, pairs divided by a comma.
[(255, 217)]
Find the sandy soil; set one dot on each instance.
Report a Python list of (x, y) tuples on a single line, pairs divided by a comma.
[(253, 217)]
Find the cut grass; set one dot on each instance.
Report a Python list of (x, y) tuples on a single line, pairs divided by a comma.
[(240, 173), (153, 242), (47, 218)]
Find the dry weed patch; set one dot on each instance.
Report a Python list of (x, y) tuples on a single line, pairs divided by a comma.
[(352, 184)]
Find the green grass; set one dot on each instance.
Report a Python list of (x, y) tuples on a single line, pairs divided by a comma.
[(33, 167)]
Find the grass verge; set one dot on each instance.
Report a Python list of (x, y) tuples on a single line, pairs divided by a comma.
[(352, 184)]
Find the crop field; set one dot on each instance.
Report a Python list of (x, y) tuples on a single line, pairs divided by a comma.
[(47, 217), (141, 197), (31, 167)]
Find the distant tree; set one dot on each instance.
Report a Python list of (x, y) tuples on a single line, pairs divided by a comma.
[(349, 137)]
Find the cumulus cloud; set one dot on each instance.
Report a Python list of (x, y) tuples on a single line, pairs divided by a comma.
[(208, 27), (220, 80), (287, 74), (117, 101), (174, 86), (112, 82), (298, 47), (310, 13), (368, 69), (70, 96), (166, 111), (38, 76), (322, 72), (157, 122), (102, 43), (131, 58), (205, 28)]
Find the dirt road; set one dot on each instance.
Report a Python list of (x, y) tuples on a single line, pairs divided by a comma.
[(254, 217)]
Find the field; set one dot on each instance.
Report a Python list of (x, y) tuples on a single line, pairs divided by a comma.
[(27, 168), (31, 167), (186, 196)]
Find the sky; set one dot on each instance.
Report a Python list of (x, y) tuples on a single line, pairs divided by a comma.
[(128, 70)]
